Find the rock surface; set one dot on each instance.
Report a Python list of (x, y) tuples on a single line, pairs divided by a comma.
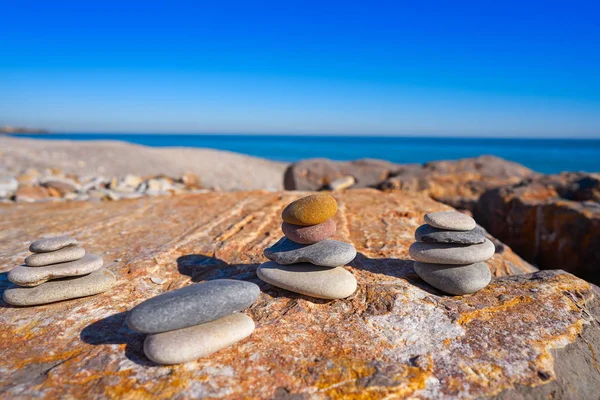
[(188, 344), (400, 337), (458, 183), (544, 222)]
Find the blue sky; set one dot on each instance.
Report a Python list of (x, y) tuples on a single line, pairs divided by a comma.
[(388, 68)]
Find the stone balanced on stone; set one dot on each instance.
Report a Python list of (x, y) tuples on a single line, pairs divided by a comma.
[(58, 270), (450, 252), (305, 261), (194, 321)]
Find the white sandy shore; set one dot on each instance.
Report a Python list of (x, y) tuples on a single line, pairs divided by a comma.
[(223, 169)]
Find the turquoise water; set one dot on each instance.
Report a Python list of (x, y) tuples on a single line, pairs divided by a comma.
[(542, 155)]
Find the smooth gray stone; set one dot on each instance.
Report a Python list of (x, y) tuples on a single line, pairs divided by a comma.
[(450, 220), (62, 289), (429, 234), (192, 305), (310, 280), (455, 279), (66, 254), (33, 276), (455, 254), (191, 343), (51, 244), (327, 253)]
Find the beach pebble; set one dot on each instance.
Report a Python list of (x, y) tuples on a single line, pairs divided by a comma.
[(51, 244), (192, 305), (327, 253), (455, 279), (63, 289), (309, 234), (66, 254), (8, 185), (188, 344), (450, 220), (310, 210), (310, 280), (28, 276), (442, 253), (429, 234)]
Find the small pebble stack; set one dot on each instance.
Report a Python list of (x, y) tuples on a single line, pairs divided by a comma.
[(194, 321), (450, 252), (305, 261), (58, 270)]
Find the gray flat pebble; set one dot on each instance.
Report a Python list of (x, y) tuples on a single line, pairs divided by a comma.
[(310, 280), (450, 220), (62, 289), (66, 254), (51, 244), (327, 253), (33, 276), (192, 305), (457, 280), (429, 234), (456, 254), (188, 344)]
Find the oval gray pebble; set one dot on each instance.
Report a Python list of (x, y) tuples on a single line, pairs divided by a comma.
[(51, 244), (66, 254), (188, 344), (450, 220), (33, 276), (455, 279), (62, 289), (310, 280), (192, 305), (428, 234), (455, 254), (326, 253)]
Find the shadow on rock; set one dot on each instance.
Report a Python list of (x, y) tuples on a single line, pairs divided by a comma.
[(5, 284), (205, 268), (394, 267), (114, 330)]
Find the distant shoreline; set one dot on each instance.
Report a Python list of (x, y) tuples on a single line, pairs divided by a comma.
[(541, 155)]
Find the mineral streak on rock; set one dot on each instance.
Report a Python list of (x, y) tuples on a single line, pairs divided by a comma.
[(396, 337)]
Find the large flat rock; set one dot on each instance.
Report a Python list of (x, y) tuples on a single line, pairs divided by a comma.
[(396, 337)]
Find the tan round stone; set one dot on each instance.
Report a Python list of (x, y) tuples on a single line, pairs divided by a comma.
[(63, 289), (66, 254), (310, 280), (310, 210), (188, 344), (33, 276)]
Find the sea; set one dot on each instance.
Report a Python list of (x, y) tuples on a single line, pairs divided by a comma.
[(542, 155)]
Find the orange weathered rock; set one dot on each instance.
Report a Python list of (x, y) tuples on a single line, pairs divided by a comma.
[(552, 221), (395, 337)]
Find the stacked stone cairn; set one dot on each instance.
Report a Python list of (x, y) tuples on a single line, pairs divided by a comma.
[(194, 321), (450, 252), (304, 261), (58, 270)]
